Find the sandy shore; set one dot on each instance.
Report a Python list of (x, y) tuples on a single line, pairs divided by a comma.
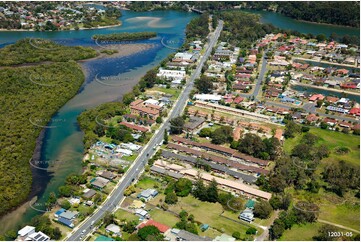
[(122, 50)]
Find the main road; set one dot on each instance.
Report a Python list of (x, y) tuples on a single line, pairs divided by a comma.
[(134, 171)]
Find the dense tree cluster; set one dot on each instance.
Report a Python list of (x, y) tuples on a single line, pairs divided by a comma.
[(198, 27), (124, 36), (150, 233), (287, 219), (38, 50), (252, 144), (176, 125), (241, 29), (24, 95), (206, 193), (90, 121), (187, 222), (342, 177), (182, 188), (204, 84)]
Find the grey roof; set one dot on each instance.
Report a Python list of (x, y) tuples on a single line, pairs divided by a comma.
[(185, 235), (194, 122), (68, 215), (107, 174), (148, 193), (100, 182), (193, 160), (165, 172), (89, 193)]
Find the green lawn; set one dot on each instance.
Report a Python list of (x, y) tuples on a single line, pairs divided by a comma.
[(172, 91), (208, 213), (301, 232), (344, 211), (164, 217), (130, 158), (125, 215), (147, 182), (333, 140)]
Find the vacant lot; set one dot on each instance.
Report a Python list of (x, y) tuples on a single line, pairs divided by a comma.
[(333, 140)]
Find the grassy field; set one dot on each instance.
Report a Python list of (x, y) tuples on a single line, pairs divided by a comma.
[(344, 211), (147, 182), (301, 232), (172, 91), (208, 213), (333, 140), (125, 215), (164, 217)]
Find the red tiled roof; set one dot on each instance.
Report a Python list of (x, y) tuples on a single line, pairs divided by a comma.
[(146, 110), (134, 127), (136, 102), (355, 111), (221, 149), (162, 228)]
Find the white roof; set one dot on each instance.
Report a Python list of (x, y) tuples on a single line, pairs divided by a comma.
[(113, 228), (208, 97), (130, 146), (27, 229), (124, 151), (38, 236), (183, 55), (141, 212), (151, 101)]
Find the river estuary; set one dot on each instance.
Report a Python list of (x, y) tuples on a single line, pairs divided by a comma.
[(63, 143)]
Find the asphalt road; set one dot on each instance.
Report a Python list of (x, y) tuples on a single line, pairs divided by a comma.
[(259, 80), (132, 174)]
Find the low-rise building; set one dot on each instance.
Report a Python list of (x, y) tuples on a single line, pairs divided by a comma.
[(113, 229), (147, 194), (247, 215)]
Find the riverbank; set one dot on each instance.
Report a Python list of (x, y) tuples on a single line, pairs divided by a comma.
[(324, 88), (72, 29)]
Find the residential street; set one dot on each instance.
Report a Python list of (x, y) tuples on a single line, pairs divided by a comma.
[(133, 172)]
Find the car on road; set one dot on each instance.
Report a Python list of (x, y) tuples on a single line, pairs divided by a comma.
[(83, 231)]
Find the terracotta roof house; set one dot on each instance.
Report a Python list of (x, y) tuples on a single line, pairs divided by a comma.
[(316, 97), (312, 118), (161, 227), (332, 99), (355, 111)]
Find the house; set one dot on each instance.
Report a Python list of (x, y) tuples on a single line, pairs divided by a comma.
[(208, 97), (131, 146), (247, 215), (161, 227), (145, 109), (224, 237), (332, 99), (184, 57), (60, 211), (183, 235), (37, 236), (108, 175), (74, 200), (311, 118), (194, 123), (355, 111), (99, 182), (147, 194), (114, 229), (135, 127), (88, 193), (69, 215), (348, 85), (66, 222), (24, 232), (345, 125), (141, 212), (171, 74), (238, 99), (330, 121), (316, 97)]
